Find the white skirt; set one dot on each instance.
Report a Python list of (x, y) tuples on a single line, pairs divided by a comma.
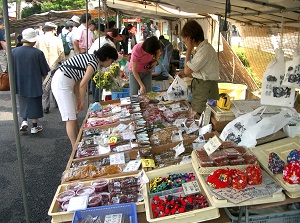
[(63, 91)]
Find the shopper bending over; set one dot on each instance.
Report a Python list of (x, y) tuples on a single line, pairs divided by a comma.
[(70, 82), (144, 57), (203, 68)]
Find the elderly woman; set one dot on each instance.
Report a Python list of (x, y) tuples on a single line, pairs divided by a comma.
[(144, 57), (30, 66), (70, 82)]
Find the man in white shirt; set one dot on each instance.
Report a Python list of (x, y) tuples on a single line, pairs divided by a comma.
[(53, 49)]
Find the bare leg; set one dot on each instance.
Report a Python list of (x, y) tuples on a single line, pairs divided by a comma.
[(72, 130)]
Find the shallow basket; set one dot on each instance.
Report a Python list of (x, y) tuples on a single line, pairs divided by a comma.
[(128, 209), (281, 217)]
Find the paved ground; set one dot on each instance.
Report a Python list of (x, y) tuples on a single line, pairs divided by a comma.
[(45, 156)]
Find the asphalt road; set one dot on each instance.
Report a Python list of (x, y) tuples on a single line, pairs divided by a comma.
[(45, 156)]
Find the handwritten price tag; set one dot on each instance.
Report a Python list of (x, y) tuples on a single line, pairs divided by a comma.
[(191, 187), (117, 158), (212, 145)]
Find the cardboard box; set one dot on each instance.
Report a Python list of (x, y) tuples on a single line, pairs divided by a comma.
[(218, 125)]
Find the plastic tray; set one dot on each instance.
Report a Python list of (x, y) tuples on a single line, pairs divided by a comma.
[(282, 217), (199, 215), (209, 170), (221, 203), (58, 215), (127, 209), (282, 148), (221, 114)]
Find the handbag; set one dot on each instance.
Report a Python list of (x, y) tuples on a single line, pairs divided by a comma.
[(48, 78), (4, 81)]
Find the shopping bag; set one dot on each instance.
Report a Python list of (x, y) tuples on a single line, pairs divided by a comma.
[(272, 91), (47, 81), (4, 82), (235, 129), (178, 90), (292, 71)]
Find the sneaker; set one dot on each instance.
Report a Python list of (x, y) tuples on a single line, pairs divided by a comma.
[(37, 129), (24, 126)]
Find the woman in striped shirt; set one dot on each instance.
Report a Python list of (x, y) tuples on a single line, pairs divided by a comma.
[(70, 81)]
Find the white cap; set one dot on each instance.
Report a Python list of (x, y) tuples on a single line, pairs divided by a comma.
[(75, 18), (50, 25), (29, 35)]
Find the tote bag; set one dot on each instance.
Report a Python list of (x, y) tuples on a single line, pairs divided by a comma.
[(4, 81)]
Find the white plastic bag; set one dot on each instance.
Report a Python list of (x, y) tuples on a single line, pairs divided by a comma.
[(272, 91), (177, 90), (292, 71), (246, 129)]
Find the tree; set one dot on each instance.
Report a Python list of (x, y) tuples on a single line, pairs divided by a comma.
[(47, 5)]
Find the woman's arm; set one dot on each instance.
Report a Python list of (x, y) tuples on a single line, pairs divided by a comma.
[(137, 77), (83, 85)]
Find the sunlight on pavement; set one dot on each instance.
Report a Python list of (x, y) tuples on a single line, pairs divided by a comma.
[(6, 116)]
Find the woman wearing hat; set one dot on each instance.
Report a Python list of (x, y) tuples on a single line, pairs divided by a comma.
[(70, 81), (30, 65)]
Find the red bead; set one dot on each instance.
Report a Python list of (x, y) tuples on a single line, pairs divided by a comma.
[(181, 210)]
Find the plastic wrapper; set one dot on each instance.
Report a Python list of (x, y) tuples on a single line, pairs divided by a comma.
[(227, 144), (123, 183), (123, 197), (95, 201), (201, 153), (87, 151), (238, 161), (250, 158), (100, 185), (219, 179), (218, 156), (206, 161), (75, 186), (85, 191), (294, 155), (65, 196), (241, 149), (231, 153), (90, 132), (224, 162)]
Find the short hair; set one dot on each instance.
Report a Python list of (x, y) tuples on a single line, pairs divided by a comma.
[(192, 29), (83, 17), (161, 37), (106, 52), (151, 45), (111, 24)]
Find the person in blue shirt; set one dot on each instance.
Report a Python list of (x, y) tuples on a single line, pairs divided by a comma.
[(160, 72)]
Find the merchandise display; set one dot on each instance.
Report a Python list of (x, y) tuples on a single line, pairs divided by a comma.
[(154, 154)]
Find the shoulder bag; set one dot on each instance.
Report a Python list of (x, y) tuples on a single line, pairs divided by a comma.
[(4, 81)]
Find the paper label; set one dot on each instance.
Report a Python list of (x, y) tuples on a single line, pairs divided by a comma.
[(143, 177), (78, 203), (123, 148), (179, 149), (180, 122), (233, 195), (191, 187), (148, 163), (212, 145), (128, 135), (113, 218), (205, 129), (132, 165), (117, 158), (193, 128), (125, 101), (121, 127)]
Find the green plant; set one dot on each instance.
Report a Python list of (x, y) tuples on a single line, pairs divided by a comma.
[(108, 79)]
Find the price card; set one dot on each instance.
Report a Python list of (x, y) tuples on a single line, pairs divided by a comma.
[(180, 122), (191, 187), (117, 158), (122, 148), (125, 101), (78, 203), (205, 129), (112, 140), (113, 218), (132, 165), (121, 127), (128, 135), (148, 163), (179, 149), (143, 177), (193, 128), (212, 145)]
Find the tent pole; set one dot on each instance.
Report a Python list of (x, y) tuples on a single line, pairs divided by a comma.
[(14, 109), (87, 47)]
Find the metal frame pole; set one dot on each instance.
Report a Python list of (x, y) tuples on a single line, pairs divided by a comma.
[(14, 110)]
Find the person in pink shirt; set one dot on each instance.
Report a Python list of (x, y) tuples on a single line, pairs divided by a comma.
[(81, 43), (144, 57)]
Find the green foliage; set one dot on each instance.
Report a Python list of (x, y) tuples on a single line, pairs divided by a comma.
[(47, 5), (240, 52)]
